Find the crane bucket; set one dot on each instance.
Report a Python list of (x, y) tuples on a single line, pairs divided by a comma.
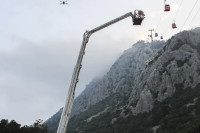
[(138, 17)]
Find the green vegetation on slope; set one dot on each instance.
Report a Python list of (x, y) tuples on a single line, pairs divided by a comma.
[(111, 103), (177, 114)]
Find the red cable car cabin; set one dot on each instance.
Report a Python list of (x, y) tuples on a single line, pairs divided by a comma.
[(167, 8), (149, 35), (161, 37), (173, 26), (156, 34)]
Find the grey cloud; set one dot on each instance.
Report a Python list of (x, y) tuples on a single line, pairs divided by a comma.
[(35, 77)]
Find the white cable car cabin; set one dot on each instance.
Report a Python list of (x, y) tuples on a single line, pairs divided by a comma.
[(138, 17)]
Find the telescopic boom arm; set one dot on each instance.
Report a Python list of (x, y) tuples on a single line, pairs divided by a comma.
[(137, 19)]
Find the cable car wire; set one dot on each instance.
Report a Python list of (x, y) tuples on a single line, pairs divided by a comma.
[(195, 16), (159, 20), (189, 14), (158, 24), (178, 9), (165, 31)]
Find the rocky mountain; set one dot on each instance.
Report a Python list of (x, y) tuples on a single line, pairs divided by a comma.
[(123, 72), (176, 65), (141, 82)]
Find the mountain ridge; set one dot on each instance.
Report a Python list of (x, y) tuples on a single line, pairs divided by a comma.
[(143, 75)]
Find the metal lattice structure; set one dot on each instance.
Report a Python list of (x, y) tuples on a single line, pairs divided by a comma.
[(137, 18)]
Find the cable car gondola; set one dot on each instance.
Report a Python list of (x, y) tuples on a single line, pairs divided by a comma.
[(156, 34), (174, 25), (161, 37), (167, 7)]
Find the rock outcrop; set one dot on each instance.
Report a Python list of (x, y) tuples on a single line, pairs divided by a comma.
[(176, 65)]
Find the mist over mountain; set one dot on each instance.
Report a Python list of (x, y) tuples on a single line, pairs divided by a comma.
[(147, 78)]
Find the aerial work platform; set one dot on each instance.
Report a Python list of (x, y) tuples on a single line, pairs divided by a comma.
[(137, 18)]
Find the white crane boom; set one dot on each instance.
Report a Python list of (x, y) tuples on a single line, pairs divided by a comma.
[(137, 19)]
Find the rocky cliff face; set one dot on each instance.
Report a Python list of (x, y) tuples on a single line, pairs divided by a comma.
[(119, 79), (124, 71), (176, 65), (144, 75)]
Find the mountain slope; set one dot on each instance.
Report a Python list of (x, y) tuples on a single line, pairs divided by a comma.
[(116, 83), (176, 65), (144, 91), (177, 114), (124, 70)]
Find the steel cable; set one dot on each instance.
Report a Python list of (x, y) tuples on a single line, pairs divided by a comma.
[(189, 14)]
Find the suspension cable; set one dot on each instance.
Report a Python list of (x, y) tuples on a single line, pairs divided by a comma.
[(165, 31), (189, 14), (195, 16), (178, 9), (158, 24)]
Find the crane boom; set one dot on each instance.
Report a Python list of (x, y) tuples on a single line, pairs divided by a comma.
[(137, 18), (111, 22)]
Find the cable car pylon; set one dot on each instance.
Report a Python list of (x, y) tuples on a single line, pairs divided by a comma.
[(151, 35)]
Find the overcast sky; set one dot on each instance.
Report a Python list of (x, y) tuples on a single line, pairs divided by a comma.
[(40, 42)]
